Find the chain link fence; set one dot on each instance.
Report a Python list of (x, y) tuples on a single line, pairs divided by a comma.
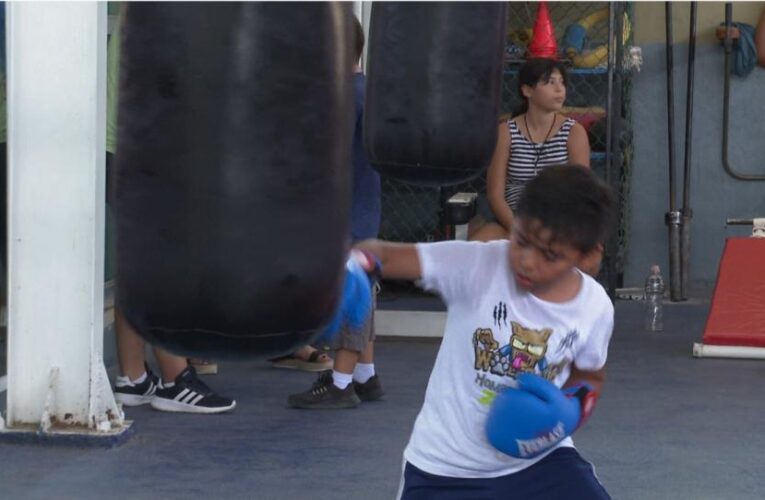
[(414, 213)]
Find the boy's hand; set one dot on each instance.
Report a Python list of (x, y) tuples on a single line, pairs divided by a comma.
[(527, 421), (356, 302), (369, 263)]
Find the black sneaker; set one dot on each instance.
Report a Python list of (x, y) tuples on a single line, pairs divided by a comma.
[(190, 395), (371, 390), (131, 394), (324, 395)]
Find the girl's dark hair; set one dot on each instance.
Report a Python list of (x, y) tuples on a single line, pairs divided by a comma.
[(572, 202), (533, 72)]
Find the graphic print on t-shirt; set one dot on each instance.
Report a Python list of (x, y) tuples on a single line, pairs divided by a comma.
[(524, 353), (500, 315)]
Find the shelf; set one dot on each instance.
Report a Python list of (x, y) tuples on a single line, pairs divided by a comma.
[(571, 71)]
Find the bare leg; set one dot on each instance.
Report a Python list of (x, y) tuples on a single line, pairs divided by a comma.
[(368, 356), (345, 360), (130, 347), (170, 365), (130, 351)]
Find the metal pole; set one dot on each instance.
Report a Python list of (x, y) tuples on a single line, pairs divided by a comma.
[(610, 83), (609, 255), (670, 105), (728, 45), (687, 212), (672, 218), (615, 111)]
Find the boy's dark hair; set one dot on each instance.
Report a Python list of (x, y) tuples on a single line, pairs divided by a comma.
[(358, 39), (572, 203), (534, 71)]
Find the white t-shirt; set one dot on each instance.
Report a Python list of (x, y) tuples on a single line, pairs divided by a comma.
[(495, 331)]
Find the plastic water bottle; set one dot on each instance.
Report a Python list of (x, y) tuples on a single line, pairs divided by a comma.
[(654, 297)]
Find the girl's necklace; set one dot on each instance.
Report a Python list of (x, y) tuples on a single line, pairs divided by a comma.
[(538, 149)]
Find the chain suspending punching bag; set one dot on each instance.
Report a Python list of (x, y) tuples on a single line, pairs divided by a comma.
[(233, 173), (434, 81)]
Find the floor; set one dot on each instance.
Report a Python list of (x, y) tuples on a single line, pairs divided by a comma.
[(667, 427)]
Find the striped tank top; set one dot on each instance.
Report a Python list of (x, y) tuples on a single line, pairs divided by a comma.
[(527, 159)]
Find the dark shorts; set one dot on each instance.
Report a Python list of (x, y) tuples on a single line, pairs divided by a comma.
[(563, 474)]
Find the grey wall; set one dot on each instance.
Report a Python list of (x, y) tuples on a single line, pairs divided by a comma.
[(715, 195)]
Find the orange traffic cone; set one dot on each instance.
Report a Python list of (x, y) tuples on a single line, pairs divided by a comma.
[(543, 41)]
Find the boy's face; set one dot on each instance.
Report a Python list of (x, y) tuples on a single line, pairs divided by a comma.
[(539, 263)]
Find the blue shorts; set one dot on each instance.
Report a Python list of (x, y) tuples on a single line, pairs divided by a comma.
[(561, 474)]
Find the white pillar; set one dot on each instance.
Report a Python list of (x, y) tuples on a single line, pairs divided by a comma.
[(363, 11), (56, 81)]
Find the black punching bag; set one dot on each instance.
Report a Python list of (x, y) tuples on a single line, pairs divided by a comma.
[(434, 81), (233, 173)]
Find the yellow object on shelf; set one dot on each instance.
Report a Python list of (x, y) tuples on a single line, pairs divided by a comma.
[(596, 17), (591, 58), (521, 36), (599, 55)]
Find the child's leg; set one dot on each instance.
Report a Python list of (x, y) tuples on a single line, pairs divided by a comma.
[(130, 347), (350, 382), (345, 361), (135, 386), (355, 347), (170, 365), (368, 355)]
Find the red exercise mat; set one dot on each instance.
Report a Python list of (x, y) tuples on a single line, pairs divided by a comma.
[(737, 314)]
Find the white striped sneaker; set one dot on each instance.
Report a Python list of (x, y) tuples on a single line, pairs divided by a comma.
[(129, 393), (188, 394)]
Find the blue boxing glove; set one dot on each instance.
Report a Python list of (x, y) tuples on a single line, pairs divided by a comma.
[(356, 300), (527, 421)]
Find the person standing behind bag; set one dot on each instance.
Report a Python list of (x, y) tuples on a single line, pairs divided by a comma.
[(179, 389), (353, 378)]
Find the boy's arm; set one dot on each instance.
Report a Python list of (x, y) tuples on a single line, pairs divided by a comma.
[(584, 386), (398, 260), (595, 379)]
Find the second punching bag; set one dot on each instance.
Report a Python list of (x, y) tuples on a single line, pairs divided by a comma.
[(233, 173), (433, 89)]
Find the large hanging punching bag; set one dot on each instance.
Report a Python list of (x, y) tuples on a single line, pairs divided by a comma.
[(434, 81), (233, 173)]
